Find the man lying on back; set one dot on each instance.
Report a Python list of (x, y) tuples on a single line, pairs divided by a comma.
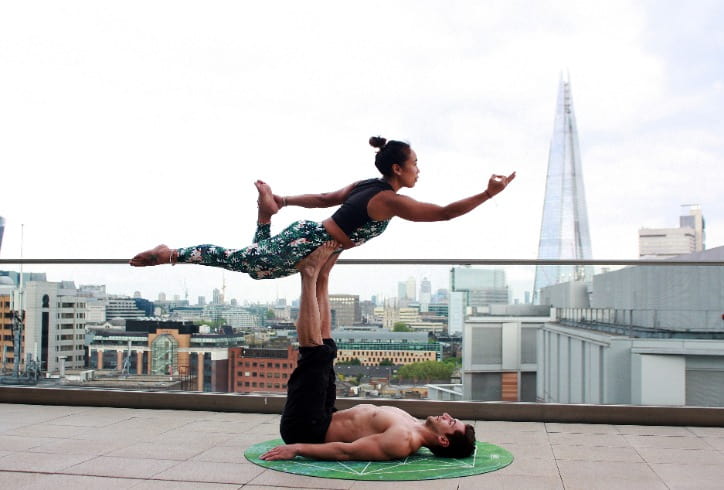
[(312, 427)]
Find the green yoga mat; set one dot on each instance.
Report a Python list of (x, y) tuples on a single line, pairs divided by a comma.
[(422, 465)]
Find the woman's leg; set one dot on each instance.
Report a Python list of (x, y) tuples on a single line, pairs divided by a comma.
[(270, 258), (267, 208)]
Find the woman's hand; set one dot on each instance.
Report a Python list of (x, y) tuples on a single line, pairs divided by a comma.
[(497, 183)]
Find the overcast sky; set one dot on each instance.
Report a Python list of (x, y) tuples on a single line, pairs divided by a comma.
[(128, 124)]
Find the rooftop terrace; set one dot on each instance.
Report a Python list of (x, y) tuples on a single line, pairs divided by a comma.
[(80, 447)]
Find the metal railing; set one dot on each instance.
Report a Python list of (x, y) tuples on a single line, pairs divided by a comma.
[(513, 411)]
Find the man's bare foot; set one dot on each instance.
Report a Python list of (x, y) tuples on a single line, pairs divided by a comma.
[(267, 204), (312, 263), (156, 256)]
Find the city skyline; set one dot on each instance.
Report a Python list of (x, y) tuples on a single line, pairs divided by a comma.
[(154, 131)]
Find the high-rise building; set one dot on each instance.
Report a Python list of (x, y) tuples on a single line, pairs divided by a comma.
[(345, 309), (695, 220), (2, 230), (482, 287), (425, 291), (402, 290), (411, 289), (7, 288), (662, 243), (472, 287), (564, 230), (55, 324)]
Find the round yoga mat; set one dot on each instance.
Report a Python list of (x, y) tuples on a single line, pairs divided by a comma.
[(422, 465)]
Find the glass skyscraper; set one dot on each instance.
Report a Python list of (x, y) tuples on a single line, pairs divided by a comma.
[(564, 227), (2, 230)]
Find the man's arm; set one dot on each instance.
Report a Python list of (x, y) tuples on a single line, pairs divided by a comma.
[(323, 200), (389, 445)]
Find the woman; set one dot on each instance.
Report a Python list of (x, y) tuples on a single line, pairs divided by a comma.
[(366, 209)]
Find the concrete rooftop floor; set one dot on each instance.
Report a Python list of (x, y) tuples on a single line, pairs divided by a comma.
[(62, 447)]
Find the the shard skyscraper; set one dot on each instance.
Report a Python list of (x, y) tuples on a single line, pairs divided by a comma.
[(564, 227)]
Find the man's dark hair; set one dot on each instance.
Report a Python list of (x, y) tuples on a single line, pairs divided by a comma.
[(462, 444)]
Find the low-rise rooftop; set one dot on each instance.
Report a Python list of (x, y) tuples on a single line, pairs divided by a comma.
[(103, 447)]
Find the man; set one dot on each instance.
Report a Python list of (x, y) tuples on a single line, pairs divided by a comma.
[(312, 427)]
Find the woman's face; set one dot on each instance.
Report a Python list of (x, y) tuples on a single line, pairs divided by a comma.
[(409, 171)]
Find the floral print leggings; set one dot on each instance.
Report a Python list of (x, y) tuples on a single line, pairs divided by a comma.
[(268, 257)]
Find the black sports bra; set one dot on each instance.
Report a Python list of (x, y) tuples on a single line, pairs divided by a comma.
[(352, 214)]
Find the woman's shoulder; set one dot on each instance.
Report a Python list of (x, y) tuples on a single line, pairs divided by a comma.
[(368, 182)]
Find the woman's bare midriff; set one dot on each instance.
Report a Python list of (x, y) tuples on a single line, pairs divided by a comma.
[(364, 420)]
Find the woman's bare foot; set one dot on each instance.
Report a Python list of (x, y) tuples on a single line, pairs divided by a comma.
[(156, 256), (313, 263), (267, 204)]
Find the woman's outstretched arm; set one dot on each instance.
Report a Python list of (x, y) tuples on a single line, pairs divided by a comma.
[(390, 204), (323, 200)]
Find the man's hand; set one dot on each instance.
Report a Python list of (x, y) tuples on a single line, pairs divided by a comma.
[(497, 183), (280, 452)]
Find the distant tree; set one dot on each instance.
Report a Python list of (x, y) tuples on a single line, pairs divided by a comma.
[(426, 371), (401, 327), (455, 362), (386, 362), (270, 314)]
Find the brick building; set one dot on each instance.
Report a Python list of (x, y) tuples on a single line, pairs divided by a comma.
[(260, 370)]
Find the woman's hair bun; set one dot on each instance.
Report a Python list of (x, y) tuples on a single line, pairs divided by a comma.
[(377, 141)]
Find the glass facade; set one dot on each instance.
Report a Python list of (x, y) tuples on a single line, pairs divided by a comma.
[(564, 230)]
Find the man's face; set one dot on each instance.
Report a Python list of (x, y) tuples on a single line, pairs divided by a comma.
[(445, 424)]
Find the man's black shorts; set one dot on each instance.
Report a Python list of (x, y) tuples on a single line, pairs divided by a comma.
[(311, 393)]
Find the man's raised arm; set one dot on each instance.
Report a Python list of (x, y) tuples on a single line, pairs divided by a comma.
[(389, 445)]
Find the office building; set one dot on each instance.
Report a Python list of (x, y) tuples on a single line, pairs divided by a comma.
[(55, 321), (663, 243), (472, 288), (152, 348), (7, 288), (255, 370), (652, 336), (425, 293), (500, 353), (373, 347), (345, 309), (411, 289)]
